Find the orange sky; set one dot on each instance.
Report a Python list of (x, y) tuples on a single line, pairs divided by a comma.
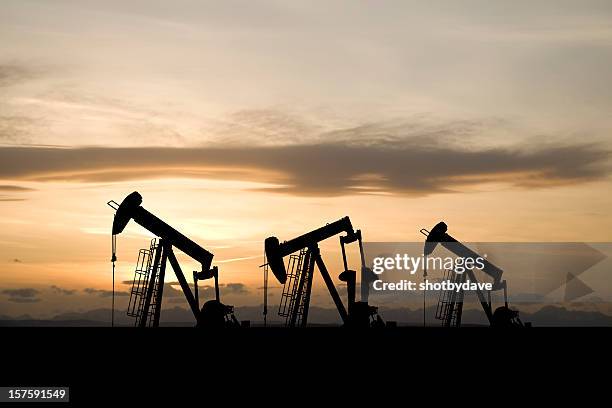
[(274, 120)]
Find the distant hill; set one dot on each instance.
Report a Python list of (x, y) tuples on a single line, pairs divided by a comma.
[(176, 316)]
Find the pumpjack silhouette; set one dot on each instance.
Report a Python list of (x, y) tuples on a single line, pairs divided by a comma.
[(304, 254), (148, 285), (450, 302)]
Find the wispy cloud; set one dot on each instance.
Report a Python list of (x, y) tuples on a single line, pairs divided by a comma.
[(13, 189), (235, 288), (103, 293), (10, 199), (208, 291), (243, 258), (22, 295), (62, 291), (411, 167), (14, 73)]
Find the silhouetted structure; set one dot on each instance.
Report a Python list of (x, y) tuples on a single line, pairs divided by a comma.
[(450, 302), (148, 284), (297, 280)]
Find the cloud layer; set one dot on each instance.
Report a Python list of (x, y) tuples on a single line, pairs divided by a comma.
[(319, 169)]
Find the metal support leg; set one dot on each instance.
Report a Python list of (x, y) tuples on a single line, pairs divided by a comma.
[(364, 283), (306, 306), (483, 301), (184, 285), (330, 285), (160, 282)]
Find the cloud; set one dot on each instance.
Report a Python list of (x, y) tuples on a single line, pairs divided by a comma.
[(176, 300), (206, 292), (171, 289), (16, 129), (15, 189), (62, 291), (12, 189), (22, 295), (104, 293), (23, 292), (175, 287), (11, 74), (269, 287), (23, 300), (235, 288), (411, 167)]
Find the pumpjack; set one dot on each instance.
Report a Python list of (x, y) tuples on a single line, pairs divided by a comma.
[(148, 284), (450, 303), (304, 254)]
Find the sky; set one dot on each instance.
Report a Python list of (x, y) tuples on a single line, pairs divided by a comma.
[(239, 120)]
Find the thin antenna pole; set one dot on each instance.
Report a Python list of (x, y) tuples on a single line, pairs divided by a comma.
[(424, 325), (113, 259), (112, 204), (265, 290), (424, 291), (426, 233), (113, 303)]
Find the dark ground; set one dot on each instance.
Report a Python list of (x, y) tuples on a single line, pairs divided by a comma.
[(319, 365)]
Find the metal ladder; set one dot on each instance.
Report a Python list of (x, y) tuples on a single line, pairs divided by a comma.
[(291, 293), (140, 284), (304, 299), (450, 302)]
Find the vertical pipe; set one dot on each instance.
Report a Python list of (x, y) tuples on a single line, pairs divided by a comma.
[(505, 293), (195, 289), (344, 261), (217, 295)]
